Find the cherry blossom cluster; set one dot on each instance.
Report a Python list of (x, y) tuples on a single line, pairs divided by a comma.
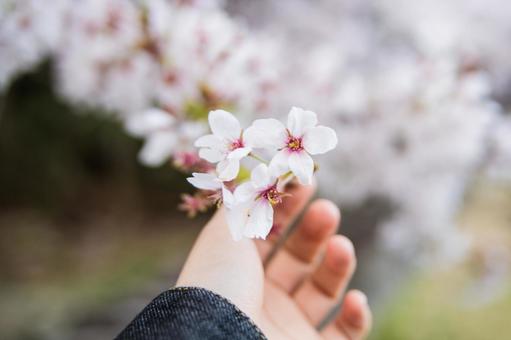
[(249, 203), (159, 65), (419, 98)]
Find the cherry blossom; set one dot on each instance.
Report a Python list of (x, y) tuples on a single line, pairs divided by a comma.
[(251, 215), (205, 181), (295, 144), (211, 182), (235, 211), (164, 134), (225, 145)]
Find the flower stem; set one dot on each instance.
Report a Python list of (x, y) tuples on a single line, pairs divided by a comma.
[(256, 157)]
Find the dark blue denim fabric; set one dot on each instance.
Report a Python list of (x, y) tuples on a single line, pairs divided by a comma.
[(191, 313)]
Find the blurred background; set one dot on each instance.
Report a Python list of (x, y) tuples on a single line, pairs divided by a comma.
[(100, 101)]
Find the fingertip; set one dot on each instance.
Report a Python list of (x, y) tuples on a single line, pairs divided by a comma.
[(340, 254), (356, 314), (330, 208), (320, 220), (357, 297)]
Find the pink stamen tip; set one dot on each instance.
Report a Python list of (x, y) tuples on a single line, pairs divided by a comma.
[(236, 144)]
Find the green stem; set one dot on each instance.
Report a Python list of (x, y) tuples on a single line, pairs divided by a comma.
[(256, 157)]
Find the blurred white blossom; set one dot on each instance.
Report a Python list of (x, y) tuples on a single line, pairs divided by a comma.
[(409, 88), (500, 151), (417, 91), (29, 31), (165, 135)]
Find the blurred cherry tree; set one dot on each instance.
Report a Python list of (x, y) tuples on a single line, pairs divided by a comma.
[(418, 91)]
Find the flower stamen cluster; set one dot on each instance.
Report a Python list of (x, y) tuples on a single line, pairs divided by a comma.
[(272, 195), (236, 144), (294, 143)]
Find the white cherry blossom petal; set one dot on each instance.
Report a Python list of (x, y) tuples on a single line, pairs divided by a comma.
[(157, 149), (266, 134), (260, 177), (319, 139), (211, 155), (299, 120), (239, 153), (227, 197), (236, 220), (224, 125), (302, 166), (228, 169), (191, 130), (260, 220), (209, 141), (245, 192), (279, 164), (205, 181), (149, 121)]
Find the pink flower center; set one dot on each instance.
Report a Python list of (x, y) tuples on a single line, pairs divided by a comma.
[(236, 144), (272, 195), (294, 144)]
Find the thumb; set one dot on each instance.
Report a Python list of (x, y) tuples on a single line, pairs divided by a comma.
[(230, 268)]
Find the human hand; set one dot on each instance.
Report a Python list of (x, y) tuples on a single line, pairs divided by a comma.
[(289, 296)]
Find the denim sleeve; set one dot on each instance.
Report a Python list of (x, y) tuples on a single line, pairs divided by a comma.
[(191, 313)]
